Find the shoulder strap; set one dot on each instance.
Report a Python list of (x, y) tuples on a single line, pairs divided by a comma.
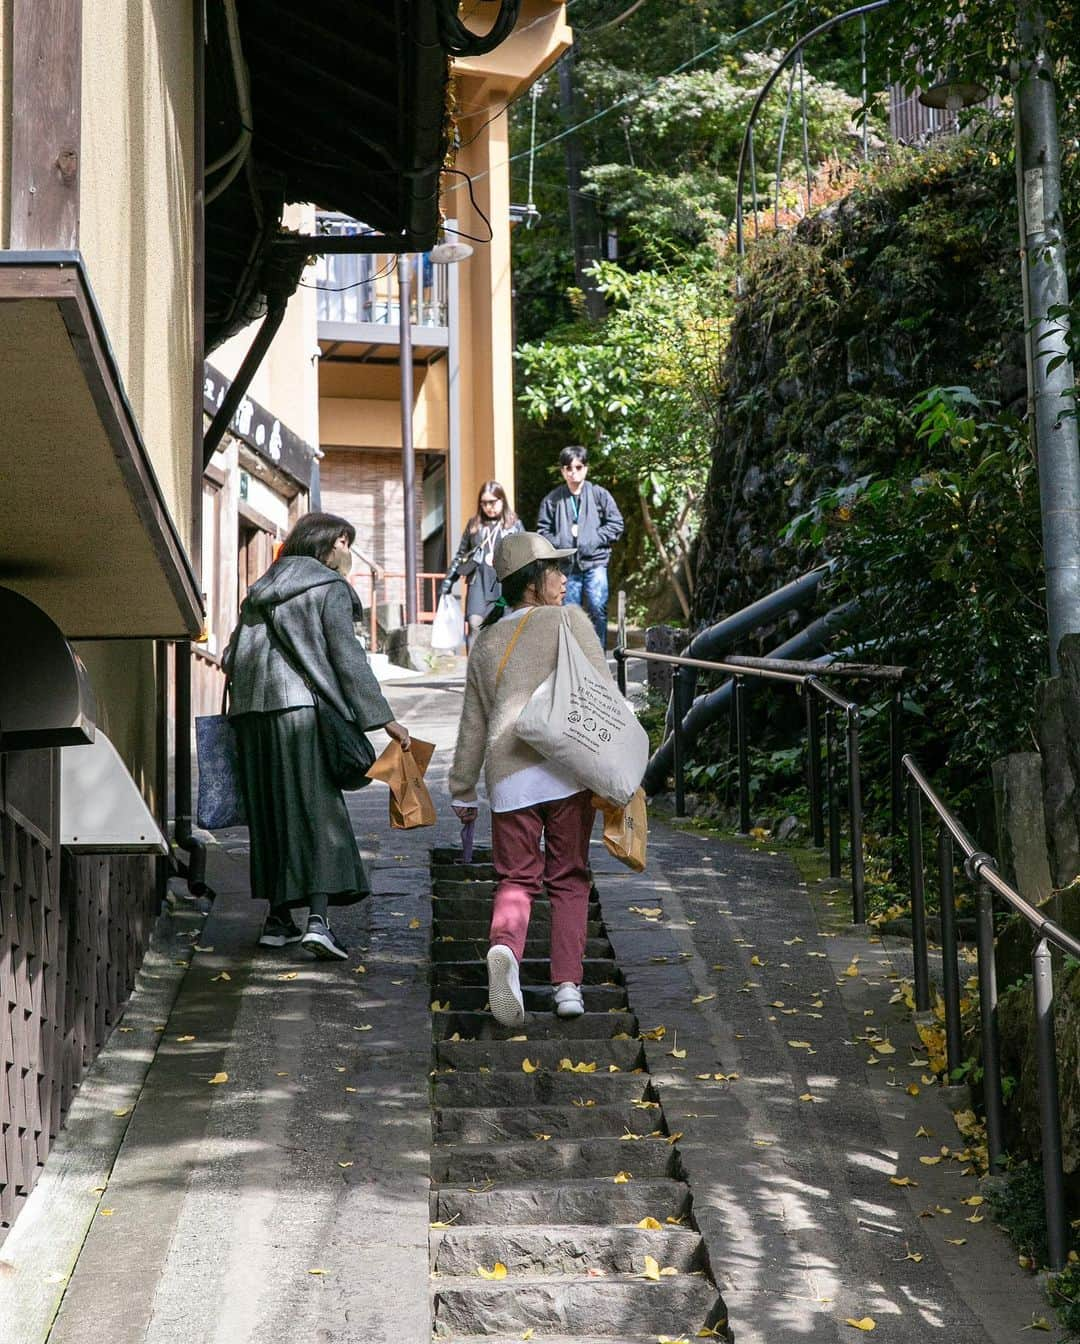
[(522, 623), (278, 643)]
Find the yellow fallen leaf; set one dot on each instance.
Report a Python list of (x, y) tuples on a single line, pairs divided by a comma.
[(567, 1066), (497, 1271), (902, 1180), (790, 942), (219, 1078), (975, 1218), (344, 1165), (703, 998), (580, 1101), (853, 970), (366, 1027), (884, 1048), (1038, 1323), (676, 1053), (1025, 1261), (914, 1255), (929, 1161), (350, 1089), (650, 911), (182, 1040), (517, 1038), (675, 1222), (669, 1271), (317, 1272), (528, 1333), (527, 1066), (912, 1089), (655, 1034), (120, 1114), (799, 1045), (650, 1225), (106, 1213), (539, 1137), (359, 970), (651, 1270), (755, 960), (807, 1096), (195, 947), (291, 975), (864, 1323), (414, 923), (621, 1177), (973, 1200), (956, 1241), (223, 976)]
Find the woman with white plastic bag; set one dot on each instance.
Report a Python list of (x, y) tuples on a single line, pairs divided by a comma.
[(532, 798), (474, 559)]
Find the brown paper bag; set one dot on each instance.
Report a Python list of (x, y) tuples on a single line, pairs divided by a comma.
[(626, 829), (403, 771)]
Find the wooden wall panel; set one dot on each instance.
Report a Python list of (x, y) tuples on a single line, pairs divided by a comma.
[(70, 950)]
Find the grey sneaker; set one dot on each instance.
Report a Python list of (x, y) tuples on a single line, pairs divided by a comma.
[(321, 940), (504, 987), (279, 931)]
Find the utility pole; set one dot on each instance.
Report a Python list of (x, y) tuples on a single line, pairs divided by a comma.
[(1046, 292), (408, 457), (582, 214)]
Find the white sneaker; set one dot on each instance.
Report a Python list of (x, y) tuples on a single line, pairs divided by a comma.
[(504, 987), (568, 1000)]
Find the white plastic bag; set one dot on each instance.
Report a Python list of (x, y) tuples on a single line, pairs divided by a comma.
[(577, 718), (448, 628)]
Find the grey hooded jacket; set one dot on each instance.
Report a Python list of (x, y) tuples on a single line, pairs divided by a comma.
[(313, 610)]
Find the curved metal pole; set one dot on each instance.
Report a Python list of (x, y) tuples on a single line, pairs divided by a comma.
[(766, 89)]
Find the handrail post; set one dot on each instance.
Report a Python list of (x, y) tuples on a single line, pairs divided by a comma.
[(744, 755), (677, 742), (918, 899), (855, 814), (1057, 1236), (896, 775), (620, 669), (950, 974), (832, 792), (813, 768), (993, 1103)]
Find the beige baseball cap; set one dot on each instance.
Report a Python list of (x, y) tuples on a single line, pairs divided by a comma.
[(515, 552)]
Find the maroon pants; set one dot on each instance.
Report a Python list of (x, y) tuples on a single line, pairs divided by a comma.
[(562, 867)]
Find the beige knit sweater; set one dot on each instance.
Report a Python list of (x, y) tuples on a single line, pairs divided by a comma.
[(486, 735)]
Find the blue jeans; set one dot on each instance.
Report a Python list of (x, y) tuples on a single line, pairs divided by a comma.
[(588, 588)]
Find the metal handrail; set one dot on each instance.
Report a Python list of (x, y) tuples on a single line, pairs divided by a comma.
[(822, 801), (979, 868)]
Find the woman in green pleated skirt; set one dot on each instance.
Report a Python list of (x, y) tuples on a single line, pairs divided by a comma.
[(296, 636)]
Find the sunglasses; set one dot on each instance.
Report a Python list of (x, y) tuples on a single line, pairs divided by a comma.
[(491, 501)]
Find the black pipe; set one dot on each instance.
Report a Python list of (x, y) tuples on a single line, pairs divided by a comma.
[(619, 655), (918, 899), (993, 1103), (238, 388), (707, 708), (855, 815), (680, 782), (743, 748), (832, 793), (1057, 1221), (196, 867), (950, 973), (813, 772)]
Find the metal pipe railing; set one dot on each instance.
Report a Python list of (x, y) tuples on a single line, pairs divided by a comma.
[(979, 868), (816, 692)]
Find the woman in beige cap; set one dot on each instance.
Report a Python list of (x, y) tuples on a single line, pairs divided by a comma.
[(530, 796)]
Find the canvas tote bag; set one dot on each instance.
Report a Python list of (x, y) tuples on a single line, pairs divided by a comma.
[(577, 718)]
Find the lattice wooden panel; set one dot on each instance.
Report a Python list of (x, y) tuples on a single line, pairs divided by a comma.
[(68, 961)]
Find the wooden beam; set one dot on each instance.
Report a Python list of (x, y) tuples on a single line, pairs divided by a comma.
[(46, 89)]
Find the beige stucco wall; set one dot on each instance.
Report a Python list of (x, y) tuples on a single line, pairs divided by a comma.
[(287, 380), (363, 408), (122, 674), (136, 217)]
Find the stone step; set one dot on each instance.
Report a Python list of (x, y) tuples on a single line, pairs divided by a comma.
[(474, 1163), (598, 1199), (464, 926), (677, 1306), (474, 901), (565, 1250), (537, 1026), (542, 1088), (510, 1056), (452, 854), (538, 998), (500, 1124), (460, 874), (545, 1338), (537, 945), (534, 971)]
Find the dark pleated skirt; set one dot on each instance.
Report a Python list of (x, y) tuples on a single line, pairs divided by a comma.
[(484, 591), (301, 838)]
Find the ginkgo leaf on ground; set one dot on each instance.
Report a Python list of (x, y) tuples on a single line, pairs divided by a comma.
[(902, 1180), (648, 1224), (866, 1323), (223, 976), (219, 1078), (414, 923), (1038, 1323), (568, 1066), (651, 1270), (956, 1241), (182, 1040), (702, 998), (654, 1034), (527, 1066), (290, 975), (317, 1272), (621, 1177), (497, 1271)]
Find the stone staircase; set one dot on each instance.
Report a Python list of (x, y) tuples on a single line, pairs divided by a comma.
[(568, 1179)]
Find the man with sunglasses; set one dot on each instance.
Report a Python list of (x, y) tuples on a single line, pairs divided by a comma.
[(582, 517)]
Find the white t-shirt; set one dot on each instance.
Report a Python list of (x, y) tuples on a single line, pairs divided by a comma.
[(541, 783)]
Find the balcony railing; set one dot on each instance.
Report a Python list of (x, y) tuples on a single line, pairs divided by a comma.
[(361, 289)]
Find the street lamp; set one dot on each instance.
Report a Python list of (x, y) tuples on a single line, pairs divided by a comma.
[(951, 93)]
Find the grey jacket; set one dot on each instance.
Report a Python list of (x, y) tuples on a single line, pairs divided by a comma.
[(313, 610), (599, 522)]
